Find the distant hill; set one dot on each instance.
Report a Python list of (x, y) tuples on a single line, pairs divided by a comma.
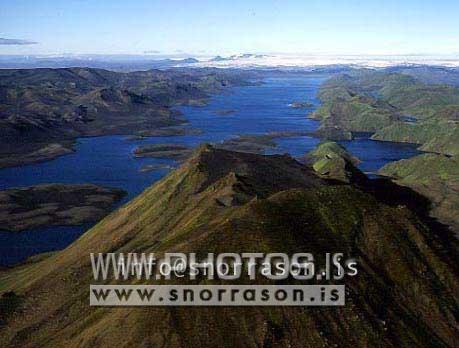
[(393, 106), (436, 177), (403, 107), (122, 63), (40, 108), (430, 74)]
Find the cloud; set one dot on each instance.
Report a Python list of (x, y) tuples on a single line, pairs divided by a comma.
[(151, 52), (4, 41)]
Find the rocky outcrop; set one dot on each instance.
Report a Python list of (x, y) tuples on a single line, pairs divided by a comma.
[(332, 161)]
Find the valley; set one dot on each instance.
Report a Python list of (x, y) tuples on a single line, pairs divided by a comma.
[(43, 111), (264, 180), (262, 116), (229, 174)]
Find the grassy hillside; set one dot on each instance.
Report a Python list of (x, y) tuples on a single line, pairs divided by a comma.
[(357, 114), (416, 112), (406, 292), (434, 135), (331, 161), (430, 74), (393, 106), (436, 177)]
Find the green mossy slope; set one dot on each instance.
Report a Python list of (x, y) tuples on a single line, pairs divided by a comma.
[(395, 107), (436, 177)]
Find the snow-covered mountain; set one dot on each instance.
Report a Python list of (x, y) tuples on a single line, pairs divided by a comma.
[(294, 61)]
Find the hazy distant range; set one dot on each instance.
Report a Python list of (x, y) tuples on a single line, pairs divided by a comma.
[(243, 61)]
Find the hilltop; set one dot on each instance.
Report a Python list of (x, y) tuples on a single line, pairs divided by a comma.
[(406, 292), (331, 161)]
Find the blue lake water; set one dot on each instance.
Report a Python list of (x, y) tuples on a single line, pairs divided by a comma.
[(109, 160)]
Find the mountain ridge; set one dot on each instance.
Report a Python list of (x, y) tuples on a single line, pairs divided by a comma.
[(405, 293)]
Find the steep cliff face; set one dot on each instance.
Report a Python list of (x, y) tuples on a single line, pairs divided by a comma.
[(406, 292)]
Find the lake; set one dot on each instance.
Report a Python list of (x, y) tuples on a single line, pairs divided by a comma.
[(109, 160)]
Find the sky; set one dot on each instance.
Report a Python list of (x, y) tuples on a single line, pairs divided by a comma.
[(194, 27)]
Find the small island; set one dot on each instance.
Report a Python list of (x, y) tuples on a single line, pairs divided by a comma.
[(224, 112), (301, 105), (169, 132), (156, 166), (171, 151), (251, 143), (55, 204)]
